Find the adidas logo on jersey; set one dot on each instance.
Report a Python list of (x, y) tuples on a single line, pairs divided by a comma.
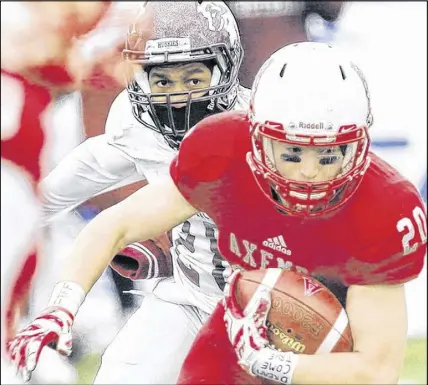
[(278, 244)]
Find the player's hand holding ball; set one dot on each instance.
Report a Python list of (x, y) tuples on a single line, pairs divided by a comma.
[(248, 333), (273, 315)]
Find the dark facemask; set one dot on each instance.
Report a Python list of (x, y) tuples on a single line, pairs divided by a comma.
[(180, 120), (183, 118)]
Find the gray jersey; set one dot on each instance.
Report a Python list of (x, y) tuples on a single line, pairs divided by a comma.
[(125, 153)]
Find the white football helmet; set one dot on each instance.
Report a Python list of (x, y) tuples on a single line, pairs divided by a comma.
[(308, 94), (180, 32)]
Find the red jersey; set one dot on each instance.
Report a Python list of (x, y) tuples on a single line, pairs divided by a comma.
[(23, 104), (24, 147), (378, 237)]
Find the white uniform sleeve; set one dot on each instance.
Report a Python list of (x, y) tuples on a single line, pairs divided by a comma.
[(90, 168)]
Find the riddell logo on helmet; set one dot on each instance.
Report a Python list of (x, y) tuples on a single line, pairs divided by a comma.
[(313, 126)]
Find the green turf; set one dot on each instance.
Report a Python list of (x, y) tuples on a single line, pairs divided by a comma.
[(87, 368), (414, 371), (415, 366)]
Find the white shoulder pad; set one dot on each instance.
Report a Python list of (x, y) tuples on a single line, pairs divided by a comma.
[(138, 142), (119, 115), (243, 98)]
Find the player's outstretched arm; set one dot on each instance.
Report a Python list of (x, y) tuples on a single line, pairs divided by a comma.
[(152, 210), (378, 320), (90, 168), (146, 214)]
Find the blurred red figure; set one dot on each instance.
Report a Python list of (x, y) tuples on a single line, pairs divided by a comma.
[(47, 48), (21, 147)]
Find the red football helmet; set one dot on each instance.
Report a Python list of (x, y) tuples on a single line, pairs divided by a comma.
[(307, 96)]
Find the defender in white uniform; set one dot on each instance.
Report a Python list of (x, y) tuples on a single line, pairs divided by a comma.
[(187, 70)]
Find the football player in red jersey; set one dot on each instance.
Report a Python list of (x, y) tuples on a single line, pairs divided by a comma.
[(296, 169), (22, 141), (62, 45), (46, 47)]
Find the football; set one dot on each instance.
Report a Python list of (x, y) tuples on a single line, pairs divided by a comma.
[(305, 316), (144, 260)]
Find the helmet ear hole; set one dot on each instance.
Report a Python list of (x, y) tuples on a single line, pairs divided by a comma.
[(342, 72), (281, 74)]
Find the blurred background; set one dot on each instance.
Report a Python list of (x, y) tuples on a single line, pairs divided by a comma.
[(388, 40)]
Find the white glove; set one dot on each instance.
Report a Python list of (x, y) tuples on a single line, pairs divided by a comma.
[(52, 328), (247, 332)]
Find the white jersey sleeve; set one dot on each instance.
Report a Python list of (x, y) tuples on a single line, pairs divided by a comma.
[(87, 170), (90, 168), (147, 148), (243, 98)]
